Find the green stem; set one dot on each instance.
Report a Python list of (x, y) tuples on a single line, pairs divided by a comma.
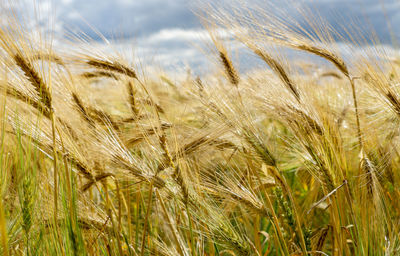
[(148, 210)]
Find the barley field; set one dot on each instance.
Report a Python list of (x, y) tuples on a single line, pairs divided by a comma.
[(100, 156)]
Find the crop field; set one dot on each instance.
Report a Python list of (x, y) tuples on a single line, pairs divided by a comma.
[(99, 156)]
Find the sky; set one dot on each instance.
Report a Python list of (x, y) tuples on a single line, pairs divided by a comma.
[(168, 30)]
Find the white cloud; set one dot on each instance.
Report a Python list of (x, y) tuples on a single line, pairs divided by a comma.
[(66, 2), (176, 34)]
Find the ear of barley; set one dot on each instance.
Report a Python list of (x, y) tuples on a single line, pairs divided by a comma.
[(153, 104), (229, 68), (262, 151), (280, 71), (132, 99), (35, 79), (112, 66), (82, 109), (98, 178), (122, 163), (102, 117), (394, 102), (331, 74), (310, 122), (99, 74), (321, 239), (27, 99), (328, 55), (369, 172), (49, 57)]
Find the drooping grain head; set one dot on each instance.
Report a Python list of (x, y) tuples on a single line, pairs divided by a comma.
[(229, 68), (35, 79)]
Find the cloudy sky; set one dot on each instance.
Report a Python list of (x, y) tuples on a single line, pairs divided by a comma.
[(169, 30)]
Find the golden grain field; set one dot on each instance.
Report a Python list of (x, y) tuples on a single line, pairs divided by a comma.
[(100, 157)]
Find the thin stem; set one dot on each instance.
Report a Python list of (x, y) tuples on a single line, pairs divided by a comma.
[(190, 229), (353, 89), (119, 217), (53, 127), (148, 210)]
